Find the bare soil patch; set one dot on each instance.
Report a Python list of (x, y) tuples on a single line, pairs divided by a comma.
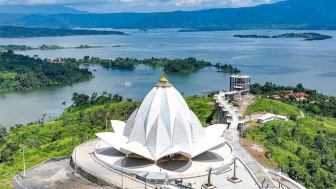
[(257, 151)]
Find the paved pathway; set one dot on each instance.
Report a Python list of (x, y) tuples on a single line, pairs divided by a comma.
[(83, 158), (54, 175), (256, 169), (231, 136), (234, 118)]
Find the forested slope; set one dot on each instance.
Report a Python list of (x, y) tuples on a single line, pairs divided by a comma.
[(18, 72), (305, 148)]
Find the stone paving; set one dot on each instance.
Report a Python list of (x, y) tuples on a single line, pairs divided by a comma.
[(221, 180), (55, 175), (83, 158), (256, 169)]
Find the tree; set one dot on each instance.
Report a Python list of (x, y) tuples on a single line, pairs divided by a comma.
[(64, 104), (299, 88), (293, 130), (86, 59), (316, 110), (3, 131)]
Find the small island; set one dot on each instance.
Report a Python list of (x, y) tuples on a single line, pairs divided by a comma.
[(42, 47), (187, 65), (87, 47), (305, 36), (19, 32), (19, 72), (226, 68)]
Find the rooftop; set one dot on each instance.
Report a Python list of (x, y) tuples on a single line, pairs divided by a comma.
[(240, 76)]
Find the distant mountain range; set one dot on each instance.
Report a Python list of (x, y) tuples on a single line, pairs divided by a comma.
[(38, 9), (290, 14)]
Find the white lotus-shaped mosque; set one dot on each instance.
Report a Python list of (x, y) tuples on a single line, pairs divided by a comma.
[(161, 127)]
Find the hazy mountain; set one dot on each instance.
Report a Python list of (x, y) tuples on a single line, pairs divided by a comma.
[(38, 9), (301, 14)]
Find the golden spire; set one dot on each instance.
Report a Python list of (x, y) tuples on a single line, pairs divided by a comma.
[(163, 79)]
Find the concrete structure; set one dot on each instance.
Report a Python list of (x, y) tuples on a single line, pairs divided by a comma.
[(54, 173), (163, 140), (267, 117), (157, 172), (240, 83), (225, 113)]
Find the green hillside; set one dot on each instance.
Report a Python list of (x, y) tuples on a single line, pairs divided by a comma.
[(305, 148)]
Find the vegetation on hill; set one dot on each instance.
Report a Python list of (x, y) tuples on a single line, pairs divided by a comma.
[(18, 72), (187, 65), (45, 139), (313, 102), (305, 149), (16, 32), (203, 107), (265, 105), (306, 36)]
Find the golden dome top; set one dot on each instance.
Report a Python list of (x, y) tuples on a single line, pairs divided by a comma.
[(163, 80)]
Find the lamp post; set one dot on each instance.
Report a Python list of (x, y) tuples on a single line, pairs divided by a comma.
[(122, 176), (146, 180), (24, 163), (106, 122), (75, 150)]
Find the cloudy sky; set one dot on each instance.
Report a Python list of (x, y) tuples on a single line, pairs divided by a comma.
[(105, 6)]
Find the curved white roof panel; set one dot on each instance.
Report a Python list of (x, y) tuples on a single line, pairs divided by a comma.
[(161, 126)]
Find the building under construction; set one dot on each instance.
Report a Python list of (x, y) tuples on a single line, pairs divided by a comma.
[(240, 83)]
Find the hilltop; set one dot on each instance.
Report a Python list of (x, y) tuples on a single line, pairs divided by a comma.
[(44, 138)]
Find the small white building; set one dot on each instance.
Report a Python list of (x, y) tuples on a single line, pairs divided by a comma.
[(282, 117), (267, 117)]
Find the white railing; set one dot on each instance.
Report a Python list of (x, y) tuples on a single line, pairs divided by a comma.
[(289, 179)]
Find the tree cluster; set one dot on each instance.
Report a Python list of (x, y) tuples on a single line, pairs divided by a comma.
[(18, 72), (323, 105)]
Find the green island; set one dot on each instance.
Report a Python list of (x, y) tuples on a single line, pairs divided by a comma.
[(187, 65), (305, 36), (42, 47), (226, 68), (47, 138), (19, 32), (18, 72), (87, 47)]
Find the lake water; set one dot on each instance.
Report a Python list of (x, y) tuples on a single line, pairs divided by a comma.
[(282, 61)]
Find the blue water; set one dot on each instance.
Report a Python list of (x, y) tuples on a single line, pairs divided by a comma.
[(282, 61)]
